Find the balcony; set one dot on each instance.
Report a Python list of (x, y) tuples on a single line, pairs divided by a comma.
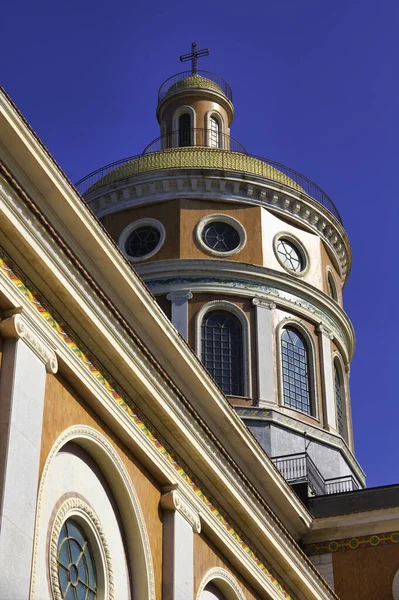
[(206, 138), (194, 151), (300, 468)]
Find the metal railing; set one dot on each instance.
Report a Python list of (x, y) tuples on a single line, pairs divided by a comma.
[(337, 485), (299, 468), (195, 137), (294, 180), (224, 86)]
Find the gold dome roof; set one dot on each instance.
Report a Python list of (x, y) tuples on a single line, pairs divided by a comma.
[(195, 157), (195, 81)]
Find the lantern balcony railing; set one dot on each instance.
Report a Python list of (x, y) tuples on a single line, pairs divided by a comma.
[(175, 79), (300, 468), (195, 137), (110, 175)]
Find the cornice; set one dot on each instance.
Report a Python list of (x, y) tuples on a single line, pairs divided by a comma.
[(242, 279), (227, 186), (16, 327)]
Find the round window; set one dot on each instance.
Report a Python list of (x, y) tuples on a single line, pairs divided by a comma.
[(142, 241), (220, 235), (76, 568), (289, 255)]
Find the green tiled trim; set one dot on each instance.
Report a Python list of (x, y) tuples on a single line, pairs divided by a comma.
[(354, 543)]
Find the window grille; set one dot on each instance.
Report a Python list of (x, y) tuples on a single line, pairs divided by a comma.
[(76, 569), (339, 401), (295, 364), (222, 350)]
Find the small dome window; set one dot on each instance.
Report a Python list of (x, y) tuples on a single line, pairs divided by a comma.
[(291, 254), (332, 288), (185, 130), (220, 235), (214, 133), (142, 239)]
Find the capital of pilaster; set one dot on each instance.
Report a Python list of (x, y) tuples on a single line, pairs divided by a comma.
[(263, 303), (321, 328), (15, 327), (179, 295), (174, 500)]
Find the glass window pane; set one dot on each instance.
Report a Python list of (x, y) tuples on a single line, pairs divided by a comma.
[(224, 360), (77, 574), (295, 364)]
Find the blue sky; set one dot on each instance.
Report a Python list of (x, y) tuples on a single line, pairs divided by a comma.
[(315, 86)]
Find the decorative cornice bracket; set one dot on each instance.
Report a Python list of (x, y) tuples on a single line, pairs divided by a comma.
[(173, 500), (263, 303), (321, 328), (15, 327)]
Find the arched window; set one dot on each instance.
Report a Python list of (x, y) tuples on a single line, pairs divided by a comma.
[(332, 288), (214, 133), (185, 130), (211, 592), (222, 350), (339, 399), (296, 372)]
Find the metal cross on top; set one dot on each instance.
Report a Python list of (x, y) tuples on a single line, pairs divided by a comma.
[(194, 56)]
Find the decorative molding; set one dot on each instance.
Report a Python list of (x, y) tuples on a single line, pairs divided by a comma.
[(228, 584), (81, 432), (321, 328), (15, 327), (76, 506), (352, 543), (164, 276), (272, 194), (263, 303), (254, 561), (173, 500), (179, 295)]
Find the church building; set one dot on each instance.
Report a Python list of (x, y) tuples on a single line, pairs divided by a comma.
[(175, 417)]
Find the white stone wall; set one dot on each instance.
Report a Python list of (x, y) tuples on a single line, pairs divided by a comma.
[(324, 564)]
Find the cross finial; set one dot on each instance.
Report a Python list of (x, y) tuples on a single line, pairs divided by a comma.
[(193, 56)]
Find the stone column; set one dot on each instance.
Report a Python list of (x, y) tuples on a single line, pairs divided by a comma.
[(264, 351), (179, 316), (26, 358), (327, 377), (180, 522)]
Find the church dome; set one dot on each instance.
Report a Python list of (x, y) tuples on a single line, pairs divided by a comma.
[(195, 81)]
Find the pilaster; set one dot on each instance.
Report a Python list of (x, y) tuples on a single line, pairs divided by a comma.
[(181, 522), (179, 313), (327, 376), (264, 351), (26, 359)]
